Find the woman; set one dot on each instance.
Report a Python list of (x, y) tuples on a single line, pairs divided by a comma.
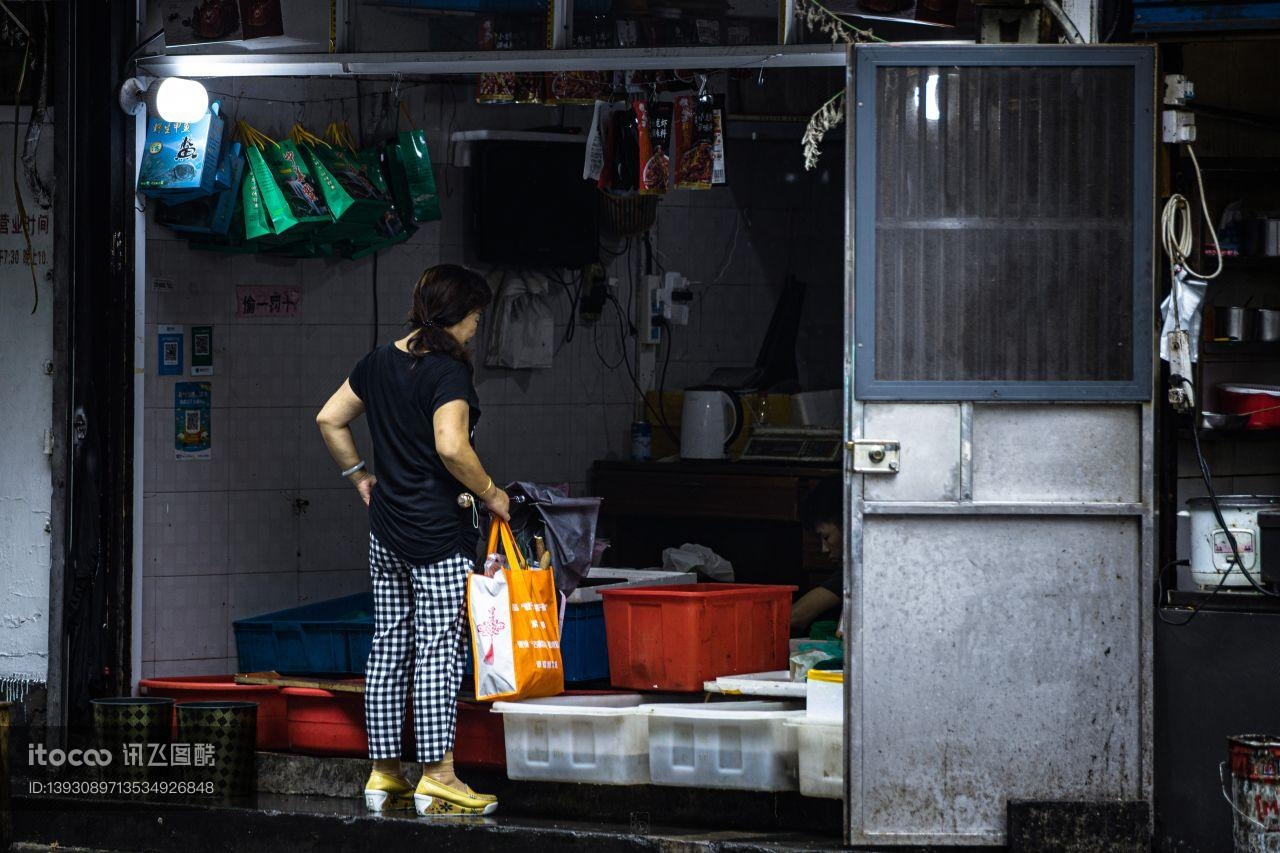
[(422, 407)]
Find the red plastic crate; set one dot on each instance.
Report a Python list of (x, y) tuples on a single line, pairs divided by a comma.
[(273, 729), (677, 637)]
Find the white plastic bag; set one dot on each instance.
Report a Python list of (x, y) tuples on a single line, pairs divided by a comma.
[(1185, 314), (524, 328), (690, 557)]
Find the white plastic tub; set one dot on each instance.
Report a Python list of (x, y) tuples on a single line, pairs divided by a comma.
[(825, 696), (820, 750), (624, 578), (740, 745), (602, 740)]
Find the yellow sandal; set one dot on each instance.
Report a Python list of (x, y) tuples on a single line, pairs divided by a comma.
[(384, 792), (434, 797)]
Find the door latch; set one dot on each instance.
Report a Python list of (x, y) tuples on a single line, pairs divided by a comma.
[(872, 456)]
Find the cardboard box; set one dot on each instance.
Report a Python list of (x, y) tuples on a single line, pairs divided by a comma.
[(181, 156)]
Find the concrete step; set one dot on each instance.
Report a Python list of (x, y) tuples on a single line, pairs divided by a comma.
[(276, 822)]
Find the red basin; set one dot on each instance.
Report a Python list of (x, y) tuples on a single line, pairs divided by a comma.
[(273, 730)]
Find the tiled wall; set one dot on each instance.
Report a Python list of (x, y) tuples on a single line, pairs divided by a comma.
[(268, 522)]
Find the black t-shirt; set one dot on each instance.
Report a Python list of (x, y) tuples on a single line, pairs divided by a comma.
[(414, 508)]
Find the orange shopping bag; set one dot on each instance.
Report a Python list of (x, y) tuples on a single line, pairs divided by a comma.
[(515, 627)]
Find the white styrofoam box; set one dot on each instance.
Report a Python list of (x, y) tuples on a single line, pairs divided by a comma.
[(740, 745), (820, 747), (825, 698), (599, 739), (777, 683), (620, 578)]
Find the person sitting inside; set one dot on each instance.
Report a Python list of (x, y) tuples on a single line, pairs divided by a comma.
[(823, 512)]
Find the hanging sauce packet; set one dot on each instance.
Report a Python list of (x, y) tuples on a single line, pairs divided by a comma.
[(653, 129), (694, 143)]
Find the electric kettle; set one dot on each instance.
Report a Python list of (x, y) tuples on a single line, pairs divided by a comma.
[(709, 422)]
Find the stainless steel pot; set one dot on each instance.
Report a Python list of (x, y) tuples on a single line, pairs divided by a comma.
[(1268, 324), (1233, 323)]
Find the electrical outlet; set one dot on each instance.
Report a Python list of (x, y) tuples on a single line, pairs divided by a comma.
[(595, 292), (651, 319), (676, 298), (1178, 90), (1178, 126)]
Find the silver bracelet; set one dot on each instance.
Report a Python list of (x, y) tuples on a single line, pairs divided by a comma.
[(354, 468)]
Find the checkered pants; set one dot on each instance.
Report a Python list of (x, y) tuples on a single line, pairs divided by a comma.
[(418, 618)]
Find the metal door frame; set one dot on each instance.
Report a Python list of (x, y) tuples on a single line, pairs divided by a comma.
[(1141, 395)]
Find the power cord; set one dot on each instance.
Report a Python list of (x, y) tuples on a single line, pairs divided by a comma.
[(623, 325), (1175, 227)]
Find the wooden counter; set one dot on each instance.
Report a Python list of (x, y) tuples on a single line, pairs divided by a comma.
[(749, 512)]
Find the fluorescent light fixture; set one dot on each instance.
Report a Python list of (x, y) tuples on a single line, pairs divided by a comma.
[(931, 110)]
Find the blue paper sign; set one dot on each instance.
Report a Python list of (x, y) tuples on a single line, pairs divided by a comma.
[(169, 351)]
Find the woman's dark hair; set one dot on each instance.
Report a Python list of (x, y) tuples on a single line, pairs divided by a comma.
[(824, 503), (444, 295)]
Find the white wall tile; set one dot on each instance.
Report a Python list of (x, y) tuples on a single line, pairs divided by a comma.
[(263, 447), (331, 352), (263, 531), (333, 531), (321, 586), (191, 616), (185, 534), (266, 363)]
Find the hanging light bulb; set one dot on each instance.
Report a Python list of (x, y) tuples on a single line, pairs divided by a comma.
[(181, 100)]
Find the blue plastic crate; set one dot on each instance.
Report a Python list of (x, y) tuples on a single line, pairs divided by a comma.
[(582, 643), (331, 636)]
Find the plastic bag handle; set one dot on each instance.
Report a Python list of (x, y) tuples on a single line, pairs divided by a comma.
[(499, 528), (404, 111)]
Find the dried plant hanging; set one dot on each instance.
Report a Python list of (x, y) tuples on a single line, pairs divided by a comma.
[(831, 113), (819, 17), (828, 116)]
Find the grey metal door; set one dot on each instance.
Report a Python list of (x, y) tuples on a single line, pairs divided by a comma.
[(999, 417)]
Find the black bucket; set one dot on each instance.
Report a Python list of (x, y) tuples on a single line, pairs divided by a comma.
[(6, 794), (136, 730), (220, 737)]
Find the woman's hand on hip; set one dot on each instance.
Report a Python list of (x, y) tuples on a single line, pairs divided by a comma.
[(365, 487), (499, 504)]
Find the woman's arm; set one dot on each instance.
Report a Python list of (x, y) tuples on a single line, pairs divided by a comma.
[(343, 408), (451, 424)]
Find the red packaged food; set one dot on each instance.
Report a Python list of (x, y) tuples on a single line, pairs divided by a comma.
[(694, 153), (653, 125), (578, 87)]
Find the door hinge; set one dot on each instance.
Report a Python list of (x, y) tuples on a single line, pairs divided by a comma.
[(873, 456)]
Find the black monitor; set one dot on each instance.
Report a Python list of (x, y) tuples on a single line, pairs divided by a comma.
[(532, 207)]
